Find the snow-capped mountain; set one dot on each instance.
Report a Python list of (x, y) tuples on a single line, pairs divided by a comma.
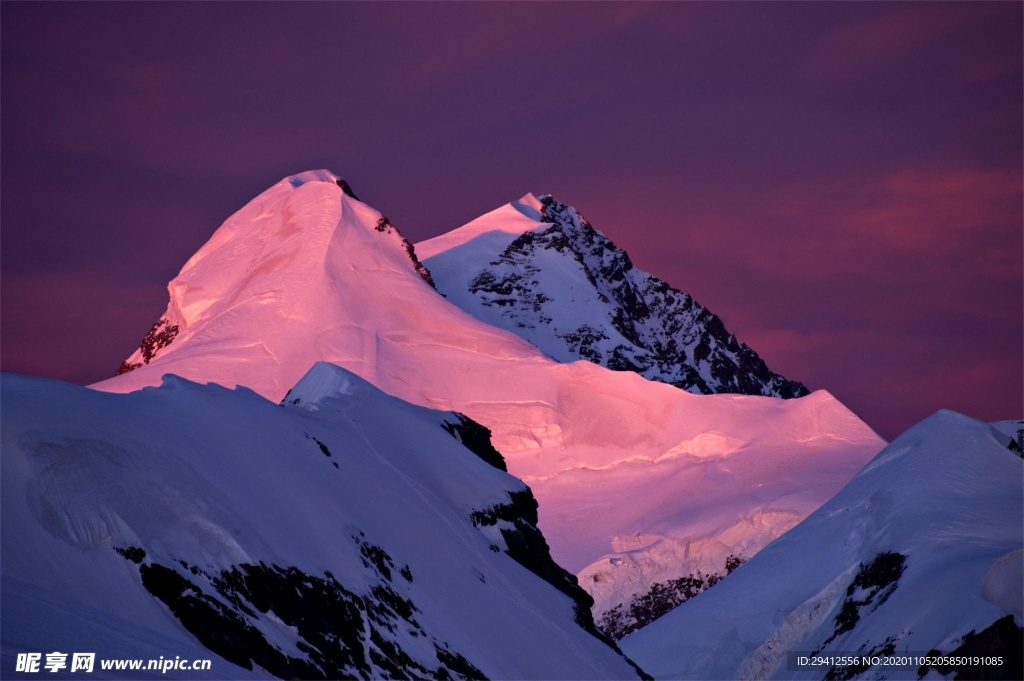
[(342, 534), (920, 555), (639, 483), (537, 268)]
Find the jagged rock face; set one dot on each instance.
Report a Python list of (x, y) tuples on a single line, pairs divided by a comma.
[(339, 634), (644, 608), (156, 339), (477, 439), (642, 324), (524, 543), (384, 225)]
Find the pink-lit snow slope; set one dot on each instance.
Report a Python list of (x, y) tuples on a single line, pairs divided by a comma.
[(635, 479)]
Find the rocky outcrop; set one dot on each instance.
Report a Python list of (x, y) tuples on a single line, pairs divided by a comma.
[(156, 339), (641, 323), (338, 633)]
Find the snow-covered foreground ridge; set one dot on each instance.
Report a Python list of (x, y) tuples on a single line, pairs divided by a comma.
[(921, 552), (357, 538), (638, 482)]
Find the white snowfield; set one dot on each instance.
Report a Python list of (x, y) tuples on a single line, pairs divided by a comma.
[(947, 495), (637, 481), (364, 489)]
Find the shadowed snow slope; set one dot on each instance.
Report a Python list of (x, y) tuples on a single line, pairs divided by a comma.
[(359, 539), (918, 550), (637, 481)]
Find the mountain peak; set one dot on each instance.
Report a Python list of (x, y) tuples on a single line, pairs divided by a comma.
[(322, 175), (531, 206), (325, 176), (283, 251), (538, 268)]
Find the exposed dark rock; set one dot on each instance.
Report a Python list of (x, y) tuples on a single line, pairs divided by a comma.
[(375, 557), (526, 545), (586, 340), (476, 438), (644, 608), (872, 585), (127, 366), (1003, 639), (159, 336), (218, 627), (394, 662), (1016, 445), (458, 664), (321, 445), (385, 227), (671, 338), (132, 553), (341, 634), (345, 187)]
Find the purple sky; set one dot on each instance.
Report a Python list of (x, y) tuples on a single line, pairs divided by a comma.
[(841, 183)]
